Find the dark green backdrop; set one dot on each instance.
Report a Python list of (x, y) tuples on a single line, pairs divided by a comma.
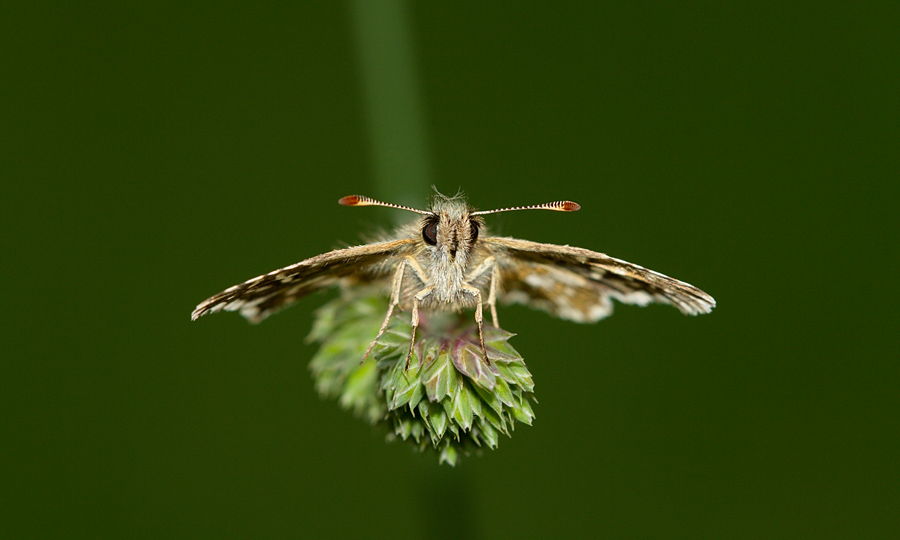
[(155, 154)]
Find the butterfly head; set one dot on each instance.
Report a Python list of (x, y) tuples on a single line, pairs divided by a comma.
[(451, 230)]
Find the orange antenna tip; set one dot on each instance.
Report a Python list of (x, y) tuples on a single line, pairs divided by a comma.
[(559, 206), (349, 200), (359, 200)]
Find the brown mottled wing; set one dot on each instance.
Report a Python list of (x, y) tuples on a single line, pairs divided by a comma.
[(264, 295), (578, 284)]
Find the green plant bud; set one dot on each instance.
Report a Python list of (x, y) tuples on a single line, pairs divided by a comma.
[(449, 399)]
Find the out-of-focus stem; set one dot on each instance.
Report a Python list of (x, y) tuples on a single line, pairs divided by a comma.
[(393, 105)]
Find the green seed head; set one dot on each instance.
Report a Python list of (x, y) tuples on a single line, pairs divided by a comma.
[(449, 399)]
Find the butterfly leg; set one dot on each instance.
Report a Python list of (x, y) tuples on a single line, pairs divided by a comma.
[(396, 284), (421, 295), (492, 296), (489, 264), (479, 319)]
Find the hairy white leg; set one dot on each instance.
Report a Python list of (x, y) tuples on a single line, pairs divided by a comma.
[(414, 266), (479, 319), (396, 283), (492, 296), (488, 264), (421, 295)]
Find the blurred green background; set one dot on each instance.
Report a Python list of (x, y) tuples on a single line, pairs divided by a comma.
[(156, 153)]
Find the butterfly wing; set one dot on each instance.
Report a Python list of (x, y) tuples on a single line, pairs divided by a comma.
[(264, 295), (578, 284)]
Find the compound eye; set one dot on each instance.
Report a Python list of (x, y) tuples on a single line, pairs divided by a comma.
[(429, 232), (474, 225)]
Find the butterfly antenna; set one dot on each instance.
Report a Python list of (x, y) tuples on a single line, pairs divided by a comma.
[(359, 200), (559, 206)]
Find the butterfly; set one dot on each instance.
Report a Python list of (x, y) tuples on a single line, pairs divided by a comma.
[(448, 261)]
